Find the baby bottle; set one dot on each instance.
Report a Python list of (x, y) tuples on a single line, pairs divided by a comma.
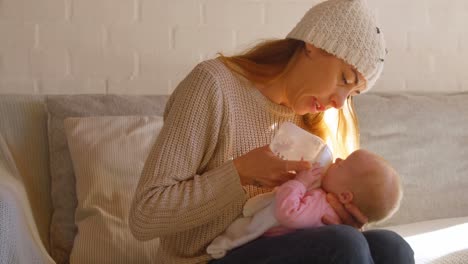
[(294, 143)]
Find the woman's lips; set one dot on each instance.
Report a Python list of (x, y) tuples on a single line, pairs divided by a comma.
[(317, 106), (313, 105)]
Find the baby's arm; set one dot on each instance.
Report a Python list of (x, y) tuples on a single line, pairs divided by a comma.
[(257, 203), (297, 208), (310, 178)]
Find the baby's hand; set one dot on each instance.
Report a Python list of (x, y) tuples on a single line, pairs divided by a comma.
[(310, 177)]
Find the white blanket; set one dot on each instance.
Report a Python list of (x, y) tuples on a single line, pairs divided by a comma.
[(19, 239), (258, 217)]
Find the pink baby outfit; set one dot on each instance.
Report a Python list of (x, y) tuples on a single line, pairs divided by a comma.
[(290, 207), (296, 208)]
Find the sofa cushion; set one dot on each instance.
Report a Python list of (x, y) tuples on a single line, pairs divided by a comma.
[(425, 138), (64, 201), (108, 155)]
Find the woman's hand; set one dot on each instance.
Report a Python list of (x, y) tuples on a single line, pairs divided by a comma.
[(349, 214), (261, 167)]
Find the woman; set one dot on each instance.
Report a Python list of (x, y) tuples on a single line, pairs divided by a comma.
[(212, 153)]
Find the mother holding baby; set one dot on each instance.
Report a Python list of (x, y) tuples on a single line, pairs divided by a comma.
[(212, 153)]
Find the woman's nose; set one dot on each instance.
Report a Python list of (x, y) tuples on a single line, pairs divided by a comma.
[(338, 100), (339, 97)]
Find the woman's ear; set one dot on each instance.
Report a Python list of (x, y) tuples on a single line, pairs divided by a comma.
[(346, 197), (308, 48), (312, 51)]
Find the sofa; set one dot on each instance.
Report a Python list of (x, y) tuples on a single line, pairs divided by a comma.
[(69, 165)]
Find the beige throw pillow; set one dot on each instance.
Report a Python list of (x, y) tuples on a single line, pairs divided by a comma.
[(108, 154), (62, 178)]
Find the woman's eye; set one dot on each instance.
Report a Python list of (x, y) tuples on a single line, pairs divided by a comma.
[(345, 81)]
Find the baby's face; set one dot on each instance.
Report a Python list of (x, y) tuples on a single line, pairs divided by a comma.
[(336, 179)]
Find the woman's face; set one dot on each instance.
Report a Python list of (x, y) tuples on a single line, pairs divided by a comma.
[(319, 80)]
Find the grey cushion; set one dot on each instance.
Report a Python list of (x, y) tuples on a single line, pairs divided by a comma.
[(64, 201), (425, 137)]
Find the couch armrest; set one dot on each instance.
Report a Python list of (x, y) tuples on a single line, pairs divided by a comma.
[(19, 237)]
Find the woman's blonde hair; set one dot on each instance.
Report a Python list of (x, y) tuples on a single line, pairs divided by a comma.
[(268, 61)]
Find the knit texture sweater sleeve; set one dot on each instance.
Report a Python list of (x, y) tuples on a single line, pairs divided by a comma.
[(179, 188)]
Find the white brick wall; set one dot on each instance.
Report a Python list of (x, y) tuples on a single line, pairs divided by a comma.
[(148, 46)]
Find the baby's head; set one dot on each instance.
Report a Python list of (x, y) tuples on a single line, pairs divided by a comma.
[(368, 181)]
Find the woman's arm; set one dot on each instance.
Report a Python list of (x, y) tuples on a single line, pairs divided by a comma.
[(175, 192)]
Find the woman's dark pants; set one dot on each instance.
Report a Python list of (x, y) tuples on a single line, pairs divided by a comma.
[(328, 244)]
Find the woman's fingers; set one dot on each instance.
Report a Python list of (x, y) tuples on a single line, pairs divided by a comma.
[(281, 179), (288, 176), (276, 181), (357, 214), (328, 220), (295, 165), (340, 210), (261, 167)]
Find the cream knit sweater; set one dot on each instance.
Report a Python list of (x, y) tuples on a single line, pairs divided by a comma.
[(189, 191)]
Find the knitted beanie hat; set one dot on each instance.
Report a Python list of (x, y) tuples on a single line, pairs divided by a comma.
[(348, 30)]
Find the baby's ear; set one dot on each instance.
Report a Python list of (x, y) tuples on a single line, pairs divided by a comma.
[(346, 197)]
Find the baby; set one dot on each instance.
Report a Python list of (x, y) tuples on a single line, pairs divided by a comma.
[(363, 178)]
